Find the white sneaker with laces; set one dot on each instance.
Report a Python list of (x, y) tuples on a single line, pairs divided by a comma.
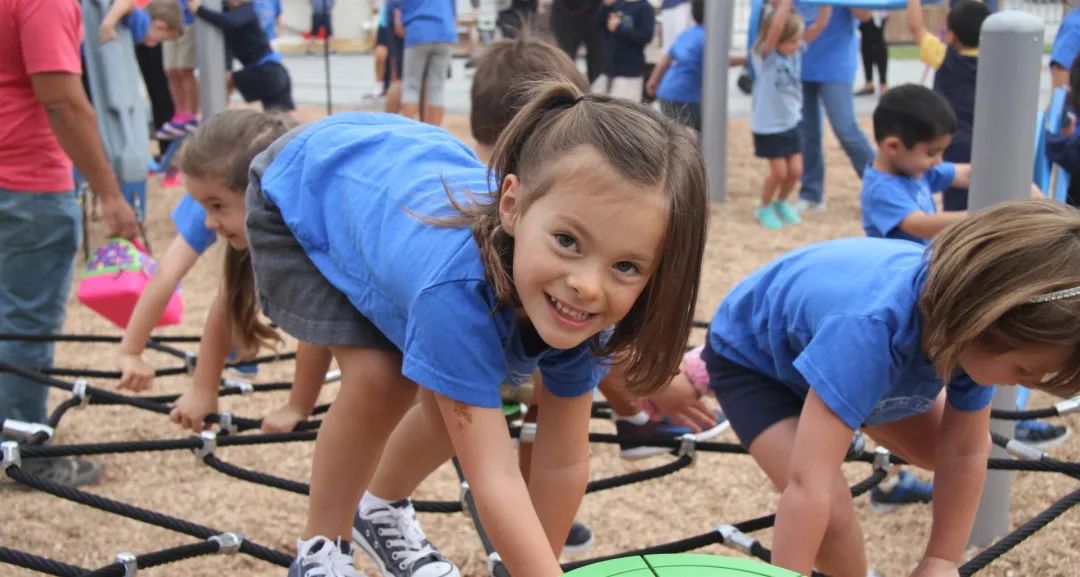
[(393, 538), (803, 205), (321, 557)]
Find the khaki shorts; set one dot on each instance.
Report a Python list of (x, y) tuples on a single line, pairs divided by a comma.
[(179, 54)]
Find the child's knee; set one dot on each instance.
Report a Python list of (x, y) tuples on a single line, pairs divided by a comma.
[(779, 171)]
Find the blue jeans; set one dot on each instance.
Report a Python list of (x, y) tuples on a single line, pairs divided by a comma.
[(39, 236), (839, 104)]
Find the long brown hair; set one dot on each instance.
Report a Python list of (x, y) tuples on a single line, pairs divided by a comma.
[(644, 148), (985, 274), (221, 150)]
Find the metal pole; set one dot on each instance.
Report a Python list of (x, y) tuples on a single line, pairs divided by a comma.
[(210, 45), (326, 67), (1007, 98), (719, 16)]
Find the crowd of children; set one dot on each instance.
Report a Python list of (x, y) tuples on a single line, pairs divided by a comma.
[(565, 251)]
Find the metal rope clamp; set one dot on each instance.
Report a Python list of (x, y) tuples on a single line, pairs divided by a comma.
[(228, 543), (1070, 405), (209, 444), (732, 537), (26, 431), (465, 490), (12, 456), (78, 392), (687, 446), (189, 362), (129, 562), (244, 387), (1024, 451), (882, 460), (226, 424)]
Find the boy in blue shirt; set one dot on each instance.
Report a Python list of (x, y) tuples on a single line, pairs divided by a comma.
[(676, 80), (161, 20), (1066, 47), (430, 32), (913, 126)]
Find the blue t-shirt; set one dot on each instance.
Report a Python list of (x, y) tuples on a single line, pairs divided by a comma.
[(682, 83), (428, 21), (190, 219), (1067, 41), (138, 21), (352, 189), (831, 57), (776, 101), (268, 11), (671, 3), (887, 199), (841, 317)]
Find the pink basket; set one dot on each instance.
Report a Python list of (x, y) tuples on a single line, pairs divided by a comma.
[(114, 279)]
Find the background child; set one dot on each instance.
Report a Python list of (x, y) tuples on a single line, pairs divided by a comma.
[(800, 358), (458, 274), (430, 33), (263, 78), (955, 63), (1066, 47), (1064, 148), (161, 20), (875, 52), (676, 79), (628, 27), (180, 61), (776, 111), (913, 126)]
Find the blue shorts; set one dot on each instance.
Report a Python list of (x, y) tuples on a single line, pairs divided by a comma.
[(751, 400), (779, 145)]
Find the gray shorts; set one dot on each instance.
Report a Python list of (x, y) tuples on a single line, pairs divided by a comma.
[(180, 54), (425, 64), (291, 290)]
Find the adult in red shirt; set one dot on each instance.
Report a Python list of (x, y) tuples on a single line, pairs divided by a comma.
[(46, 122)]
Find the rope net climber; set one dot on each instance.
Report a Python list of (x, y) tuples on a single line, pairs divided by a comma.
[(235, 431)]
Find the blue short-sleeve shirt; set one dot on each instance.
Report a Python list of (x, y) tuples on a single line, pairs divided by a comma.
[(138, 21), (1067, 41), (682, 83), (833, 55), (190, 219), (887, 199), (428, 21), (776, 103), (841, 318), (351, 189)]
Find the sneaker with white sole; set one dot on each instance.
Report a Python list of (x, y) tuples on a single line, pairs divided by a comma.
[(579, 540), (392, 536), (803, 205), (902, 489), (321, 557), (628, 432), (1041, 434)]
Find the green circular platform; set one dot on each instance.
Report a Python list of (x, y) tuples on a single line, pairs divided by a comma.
[(681, 565)]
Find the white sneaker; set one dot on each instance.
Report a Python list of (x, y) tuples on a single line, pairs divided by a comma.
[(803, 205), (393, 538), (321, 557)]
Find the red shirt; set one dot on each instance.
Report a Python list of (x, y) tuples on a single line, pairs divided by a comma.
[(35, 36)]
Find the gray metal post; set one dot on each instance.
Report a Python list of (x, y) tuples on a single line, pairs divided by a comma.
[(719, 16), (1007, 98), (210, 45)]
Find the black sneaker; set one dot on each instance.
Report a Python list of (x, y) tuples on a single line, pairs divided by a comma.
[(628, 431), (67, 471), (579, 540), (393, 538), (321, 557), (1041, 434)]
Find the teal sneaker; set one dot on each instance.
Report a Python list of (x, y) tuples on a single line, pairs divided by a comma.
[(768, 218), (787, 213)]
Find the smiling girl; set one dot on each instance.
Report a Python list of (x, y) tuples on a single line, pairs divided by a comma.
[(389, 242)]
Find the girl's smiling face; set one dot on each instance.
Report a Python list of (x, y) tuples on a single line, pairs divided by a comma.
[(225, 210), (585, 250)]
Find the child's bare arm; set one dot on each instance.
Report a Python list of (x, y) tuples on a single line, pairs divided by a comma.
[(802, 517), (915, 21), (927, 225), (312, 361), (118, 10), (202, 399), (781, 9), (658, 74), (962, 179), (812, 33), (136, 375), (960, 470), (560, 462), (481, 440)]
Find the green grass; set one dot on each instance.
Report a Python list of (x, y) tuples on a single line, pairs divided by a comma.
[(911, 51)]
